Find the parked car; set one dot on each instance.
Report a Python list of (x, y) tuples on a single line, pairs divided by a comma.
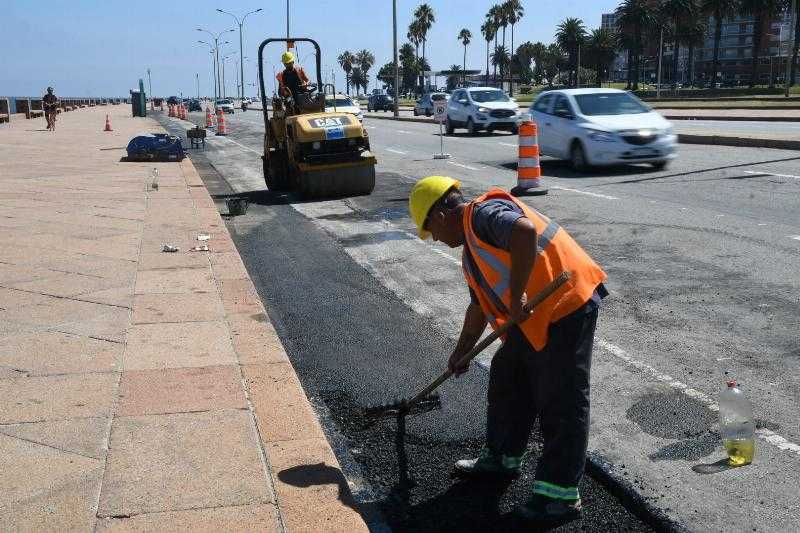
[(343, 103), (479, 108), (173, 100), (226, 104), (382, 102), (424, 105), (602, 127), (194, 105)]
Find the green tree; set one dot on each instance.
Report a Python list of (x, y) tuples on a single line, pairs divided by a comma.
[(386, 75), (515, 14), (494, 17), (347, 60), (554, 61), (489, 32), (365, 60), (454, 76), (571, 34), (501, 60), (537, 53), (761, 11), (359, 79), (465, 36), (694, 34), (634, 18), (601, 50), (408, 66), (676, 12), (719, 10), (424, 16)]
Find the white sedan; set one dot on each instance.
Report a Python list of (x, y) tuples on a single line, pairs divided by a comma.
[(602, 127), (343, 104)]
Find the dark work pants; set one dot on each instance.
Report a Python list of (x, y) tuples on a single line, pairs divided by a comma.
[(552, 384)]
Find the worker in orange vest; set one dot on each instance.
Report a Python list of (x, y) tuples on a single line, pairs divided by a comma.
[(292, 80), (511, 252)]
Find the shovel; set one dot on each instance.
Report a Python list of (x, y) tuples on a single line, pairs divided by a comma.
[(424, 401)]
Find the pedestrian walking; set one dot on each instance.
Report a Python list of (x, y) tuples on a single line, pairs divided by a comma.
[(50, 107), (510, 252)]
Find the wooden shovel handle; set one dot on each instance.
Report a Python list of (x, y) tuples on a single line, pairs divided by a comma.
[(549, 289)]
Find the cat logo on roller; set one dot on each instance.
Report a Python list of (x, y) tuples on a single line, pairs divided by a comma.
[(316, 153)]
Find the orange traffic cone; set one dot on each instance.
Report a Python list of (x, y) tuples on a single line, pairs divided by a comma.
[(108, 124), (171, 110), (181, 112), (209, 118), (221, 123), (529, 172)]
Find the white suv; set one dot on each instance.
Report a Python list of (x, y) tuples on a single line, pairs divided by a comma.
[(479, 108), (602, 127)]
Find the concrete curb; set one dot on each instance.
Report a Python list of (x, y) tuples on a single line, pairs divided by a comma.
[(732, 119), (291, 435), (683, 138)]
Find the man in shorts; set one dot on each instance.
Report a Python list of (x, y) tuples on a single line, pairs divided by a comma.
[(50, 106)]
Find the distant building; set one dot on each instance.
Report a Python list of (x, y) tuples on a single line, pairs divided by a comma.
[(608, 21)]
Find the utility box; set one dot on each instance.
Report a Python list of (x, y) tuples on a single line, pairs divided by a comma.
[(138, 110)]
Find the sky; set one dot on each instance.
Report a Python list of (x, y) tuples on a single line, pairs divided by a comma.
[(102, 48)]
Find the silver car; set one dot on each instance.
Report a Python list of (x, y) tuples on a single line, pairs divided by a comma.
[(424, 105)]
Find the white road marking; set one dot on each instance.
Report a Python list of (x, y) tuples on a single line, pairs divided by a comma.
[(404, 131), (763, 433), (243, 146), (395, 151), (604, 196), (461, 165), (772, 174), (762, 223), (509, 144), (795, 237)]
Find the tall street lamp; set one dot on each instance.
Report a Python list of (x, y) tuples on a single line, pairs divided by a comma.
[(396, 67), (241, 51), (216, 37), (213, 52)]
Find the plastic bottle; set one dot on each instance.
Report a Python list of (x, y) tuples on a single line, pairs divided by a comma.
[(736, 425)]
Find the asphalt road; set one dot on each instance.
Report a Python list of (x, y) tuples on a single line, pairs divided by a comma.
[(708, 127), (702, 259)]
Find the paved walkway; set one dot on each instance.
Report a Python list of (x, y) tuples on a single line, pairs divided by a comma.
[(140, 390)]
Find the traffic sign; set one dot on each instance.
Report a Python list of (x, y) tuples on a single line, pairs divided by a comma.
[(440, 111)]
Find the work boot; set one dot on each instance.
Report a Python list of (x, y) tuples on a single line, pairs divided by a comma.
[(544, 510), (489, 465)]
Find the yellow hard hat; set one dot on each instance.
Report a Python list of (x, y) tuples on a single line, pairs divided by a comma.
[(424, 194), (287, 58)]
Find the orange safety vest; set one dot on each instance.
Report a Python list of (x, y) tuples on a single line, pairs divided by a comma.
[(301, 74), (487, 270)]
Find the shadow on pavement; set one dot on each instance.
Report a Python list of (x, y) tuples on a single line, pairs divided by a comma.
[(714, 468), (305, 476)]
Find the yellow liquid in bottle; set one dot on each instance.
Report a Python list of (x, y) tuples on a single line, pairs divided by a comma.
[(740, 451)]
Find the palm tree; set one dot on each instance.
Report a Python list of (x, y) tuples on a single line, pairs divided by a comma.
[(760, 10), (719, 9), (515, 14), (346, 61), (365, 60), (677, 11), (553, 63), (602, 49), (424, 16), (538, 53), (570, 35), (694, 34), (634, 17), (494, 17), (500, 59), (489, 32), (408, 63), (465, 36), (359, 78)]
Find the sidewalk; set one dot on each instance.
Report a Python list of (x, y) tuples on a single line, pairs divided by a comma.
[(141, 390)]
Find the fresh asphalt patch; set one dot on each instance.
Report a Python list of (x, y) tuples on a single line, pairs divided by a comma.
[(355, 344)]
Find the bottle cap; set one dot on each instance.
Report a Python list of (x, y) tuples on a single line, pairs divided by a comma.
[(731, 383)]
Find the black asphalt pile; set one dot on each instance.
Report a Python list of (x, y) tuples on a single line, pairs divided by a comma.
[(436, 499)]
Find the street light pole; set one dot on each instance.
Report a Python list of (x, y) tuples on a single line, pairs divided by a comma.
[(216, 37), (287, 19), (394, 55), (789, 56), (149, 83), (197, 79), (660, 55), (241, 46)]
